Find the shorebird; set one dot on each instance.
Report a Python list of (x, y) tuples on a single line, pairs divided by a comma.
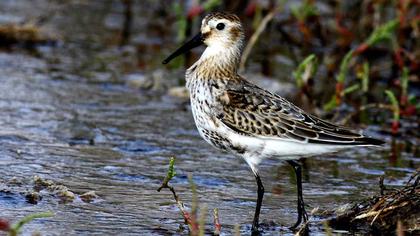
[(234, 115)]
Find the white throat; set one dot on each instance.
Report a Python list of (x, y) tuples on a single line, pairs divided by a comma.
[(221, 55)]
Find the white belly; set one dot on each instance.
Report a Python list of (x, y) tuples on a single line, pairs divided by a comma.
[(258, 149)]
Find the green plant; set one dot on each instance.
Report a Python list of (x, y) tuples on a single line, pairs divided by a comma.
[(211, 4), (305, 10), (404, 87), (15, 229), (333, 102), (195, 224), (301, 13), (339, 87), (306, 69), (395, 111), (169, 175), (382, 32), (364, 76)]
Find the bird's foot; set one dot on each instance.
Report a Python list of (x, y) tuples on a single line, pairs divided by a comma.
[(301, 215), (293, 227), (299, 221), (255, 231)]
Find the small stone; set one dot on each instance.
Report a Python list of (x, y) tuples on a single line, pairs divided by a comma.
[(139, 81), (36, 233), (33, 197), (41, 183), (66, 195), (14, 181), (180, 92), (89, 196)]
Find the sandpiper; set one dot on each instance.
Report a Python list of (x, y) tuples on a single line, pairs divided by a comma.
[(234, 115)]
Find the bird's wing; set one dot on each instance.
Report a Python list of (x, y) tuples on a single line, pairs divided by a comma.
[(253, 111)]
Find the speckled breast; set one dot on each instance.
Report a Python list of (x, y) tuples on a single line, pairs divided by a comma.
[(207, 124)]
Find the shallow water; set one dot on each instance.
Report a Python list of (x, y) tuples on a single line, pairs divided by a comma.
[(90, 132), (117, 141)]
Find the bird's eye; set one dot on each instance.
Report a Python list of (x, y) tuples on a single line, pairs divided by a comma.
[(220, 26)]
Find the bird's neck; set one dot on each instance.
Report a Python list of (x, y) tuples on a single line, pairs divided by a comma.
[(217, 61)]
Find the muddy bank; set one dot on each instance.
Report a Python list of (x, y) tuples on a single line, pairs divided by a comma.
[(393, 211)]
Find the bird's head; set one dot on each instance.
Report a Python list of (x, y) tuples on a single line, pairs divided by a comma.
[(221, 32)]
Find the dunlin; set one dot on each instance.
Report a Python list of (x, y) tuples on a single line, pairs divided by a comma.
[(234, 115)]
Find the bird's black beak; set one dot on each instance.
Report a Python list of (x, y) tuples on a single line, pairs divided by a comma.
[(194, 42)]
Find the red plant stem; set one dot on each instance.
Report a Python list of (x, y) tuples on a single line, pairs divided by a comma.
[(338, 92), (414, 65), (194, 11), (251, 8), (402, 8), (186, 216), (190, 220), (217, 225), (403, 101), (218, 228), (342, 30), (305, 30), (394, 127), (409, 110), (360, 49), (398, 57)]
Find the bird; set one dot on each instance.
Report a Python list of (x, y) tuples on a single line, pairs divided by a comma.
[(237, 116)]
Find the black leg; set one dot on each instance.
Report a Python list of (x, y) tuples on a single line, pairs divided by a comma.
[(300, 204), (259, 203)]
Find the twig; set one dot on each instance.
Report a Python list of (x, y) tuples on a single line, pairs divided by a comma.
[(165, 184), (388, 203), (416, 174), (387, 209), (416, 178), (196, 225), (382, 213), (381, 185), (261, 27)]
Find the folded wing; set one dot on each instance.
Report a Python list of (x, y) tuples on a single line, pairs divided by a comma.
[(250, 110)]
